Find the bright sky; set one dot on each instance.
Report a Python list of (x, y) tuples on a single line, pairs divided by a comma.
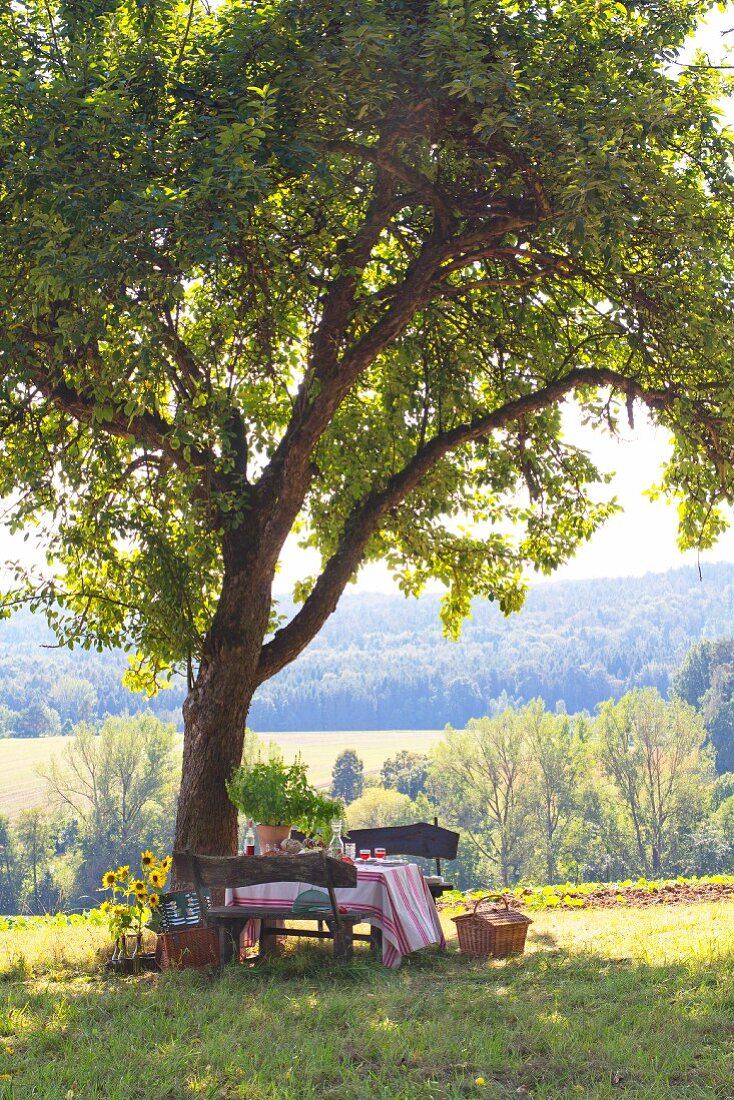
[(641, 539)]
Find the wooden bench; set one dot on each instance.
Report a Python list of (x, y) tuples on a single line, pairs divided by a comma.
[(420, 839), (206, 874)]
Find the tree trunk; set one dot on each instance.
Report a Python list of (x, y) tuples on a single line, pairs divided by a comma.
[(656, 863), (215, 712), (214, 733)]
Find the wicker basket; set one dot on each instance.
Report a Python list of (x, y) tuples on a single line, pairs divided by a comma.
[(492, 931), (188, 947)]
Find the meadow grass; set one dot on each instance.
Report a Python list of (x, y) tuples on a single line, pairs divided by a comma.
[(606, 1003), (21, 787)]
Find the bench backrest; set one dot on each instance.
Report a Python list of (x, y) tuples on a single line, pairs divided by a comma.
[(206, 873), (420, 839), (233, 871)]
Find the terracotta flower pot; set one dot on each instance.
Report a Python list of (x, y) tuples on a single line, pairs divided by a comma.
[(271, 836)]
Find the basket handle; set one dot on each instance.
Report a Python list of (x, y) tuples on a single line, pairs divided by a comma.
[(492, 897)]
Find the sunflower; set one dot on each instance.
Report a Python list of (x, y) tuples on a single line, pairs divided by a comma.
[(109, 878), (105, 906), (138, 887), (123, 872), (157, 878), (147, 859), (154, 901), (166, 863)]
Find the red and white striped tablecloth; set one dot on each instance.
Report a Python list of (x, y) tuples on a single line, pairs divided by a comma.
[(396, 896)]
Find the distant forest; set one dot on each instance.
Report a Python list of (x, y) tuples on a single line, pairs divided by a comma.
[(381, 661)]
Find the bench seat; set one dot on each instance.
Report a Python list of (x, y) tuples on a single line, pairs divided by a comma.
[(229, 913)]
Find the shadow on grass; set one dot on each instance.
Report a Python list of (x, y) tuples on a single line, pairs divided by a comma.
[(547, 1024)]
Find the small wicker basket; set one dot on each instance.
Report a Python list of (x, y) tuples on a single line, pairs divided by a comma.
[(492, 931), (188, 947), (183, 940)]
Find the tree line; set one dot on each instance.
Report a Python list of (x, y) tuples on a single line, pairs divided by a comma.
[(644, 787), (541, 796), (110, 793), (381, 661)]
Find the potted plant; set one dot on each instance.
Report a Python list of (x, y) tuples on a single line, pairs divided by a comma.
[(278, 797)]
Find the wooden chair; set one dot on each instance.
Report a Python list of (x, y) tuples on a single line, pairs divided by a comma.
[(209, 873), (420, 839)]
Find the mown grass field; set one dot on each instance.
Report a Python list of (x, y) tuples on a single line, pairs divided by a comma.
[(21, 787), (604, 1004)]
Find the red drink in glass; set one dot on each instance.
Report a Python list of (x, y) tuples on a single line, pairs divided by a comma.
[(365, 853), (379, 853)]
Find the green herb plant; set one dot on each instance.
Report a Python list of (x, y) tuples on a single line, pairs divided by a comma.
[(275, 793)]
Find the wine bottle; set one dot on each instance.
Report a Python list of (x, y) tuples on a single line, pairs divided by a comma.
[(249, 849)]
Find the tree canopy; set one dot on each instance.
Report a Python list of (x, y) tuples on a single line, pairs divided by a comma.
[(332, 268)]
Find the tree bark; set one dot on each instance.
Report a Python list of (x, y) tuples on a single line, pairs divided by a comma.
[(215, 712), (214, 733)]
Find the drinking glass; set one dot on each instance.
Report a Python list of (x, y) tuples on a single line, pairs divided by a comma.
[(365, 853), (350, 850), (379, 853)]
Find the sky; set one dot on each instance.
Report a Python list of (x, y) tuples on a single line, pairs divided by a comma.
[(640, 539)]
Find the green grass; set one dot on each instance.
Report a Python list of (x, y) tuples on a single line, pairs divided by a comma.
[(21, 787), (603, 1004)]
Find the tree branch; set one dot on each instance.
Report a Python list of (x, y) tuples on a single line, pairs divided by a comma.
[(365, 520), (422, 185), (146, 428)]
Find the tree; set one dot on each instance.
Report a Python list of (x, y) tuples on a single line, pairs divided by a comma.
[(11, 875), (554, 775), (347, 776), (118, 785), (37, 720), (705, 679), (653, 751), (36, 848), (74, 698), (334, 269), (378, 808), (406, 772), (480, 776)]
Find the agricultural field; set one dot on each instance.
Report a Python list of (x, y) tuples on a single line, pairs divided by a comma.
[(21, 787)]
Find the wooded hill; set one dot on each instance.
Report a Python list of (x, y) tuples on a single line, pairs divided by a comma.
[(381, 661)]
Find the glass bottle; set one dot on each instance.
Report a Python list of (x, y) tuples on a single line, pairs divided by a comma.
[(336, 844), (249, 848)]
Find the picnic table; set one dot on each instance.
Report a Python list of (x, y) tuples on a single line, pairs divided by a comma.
[(394, 894)]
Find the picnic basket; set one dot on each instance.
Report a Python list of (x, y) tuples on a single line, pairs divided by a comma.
[(188, 947), (183, 941), (488, 930)]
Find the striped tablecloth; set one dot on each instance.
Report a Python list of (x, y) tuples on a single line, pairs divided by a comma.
[(396, 895)]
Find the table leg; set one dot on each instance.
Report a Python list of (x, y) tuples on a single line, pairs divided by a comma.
[(226, 945), (344, 942), (376, 940)]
